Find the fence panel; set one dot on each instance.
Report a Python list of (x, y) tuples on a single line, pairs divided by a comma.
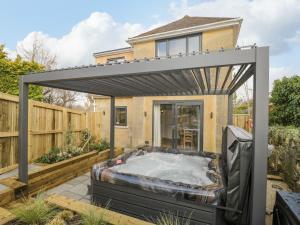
[(48, 126), (243, 120)]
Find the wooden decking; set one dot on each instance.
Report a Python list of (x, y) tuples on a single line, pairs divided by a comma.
[(80, 207)]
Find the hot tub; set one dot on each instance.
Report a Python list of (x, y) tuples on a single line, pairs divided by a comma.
[(190, 177), (145, 183), (204, 188)]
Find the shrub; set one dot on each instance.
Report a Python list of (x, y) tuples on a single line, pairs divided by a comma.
[(91, 217), (34, 211), (170, 219), (56, 154), (100, 146), (285, 159), (50, 157)]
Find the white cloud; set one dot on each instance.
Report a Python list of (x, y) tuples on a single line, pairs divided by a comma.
[(96, 33), (10, 54), (266, 22), (278, 73)]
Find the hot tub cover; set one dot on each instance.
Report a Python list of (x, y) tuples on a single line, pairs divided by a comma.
[(186, 176)]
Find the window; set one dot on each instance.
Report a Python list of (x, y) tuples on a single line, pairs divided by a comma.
[(193, 44), (174, 46), (116, 59), (177, 46), (161, 48), (121, 116)]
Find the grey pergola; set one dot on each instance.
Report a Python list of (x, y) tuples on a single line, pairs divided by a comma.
[(194, 74)]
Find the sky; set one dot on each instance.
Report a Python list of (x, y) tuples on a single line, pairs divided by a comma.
[(73, 30)]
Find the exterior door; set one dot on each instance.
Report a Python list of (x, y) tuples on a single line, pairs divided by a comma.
[(178, 125)]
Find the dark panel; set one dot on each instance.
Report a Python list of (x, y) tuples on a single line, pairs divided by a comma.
[(144, 204)]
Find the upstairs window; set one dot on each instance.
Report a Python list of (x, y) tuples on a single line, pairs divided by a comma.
[(116, 59), (121, 116), (175, 46), (193, 44), (161, 48)]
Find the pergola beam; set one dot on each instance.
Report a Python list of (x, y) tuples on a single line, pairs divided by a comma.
[(226, 77), (260, 136), (226, 58), (112, 127), (23, 131), (250, 71)]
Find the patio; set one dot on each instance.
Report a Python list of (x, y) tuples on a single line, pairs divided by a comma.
[(195, 74), (76, 188)]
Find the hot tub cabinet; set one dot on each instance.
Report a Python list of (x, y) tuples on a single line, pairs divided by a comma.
[(147, 206)]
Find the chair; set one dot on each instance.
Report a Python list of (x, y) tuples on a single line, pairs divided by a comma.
[(187, 138)]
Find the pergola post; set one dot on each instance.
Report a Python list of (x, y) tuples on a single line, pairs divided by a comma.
[(112, 127), (23, 131), (260, 135), (229, 110)]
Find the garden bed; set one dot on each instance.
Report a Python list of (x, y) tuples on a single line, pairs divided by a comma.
[(58, 209), (58, 173)]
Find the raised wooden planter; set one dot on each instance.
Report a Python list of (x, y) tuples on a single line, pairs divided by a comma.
[(81, 208), (52, 175), (58, 173), (5, 216)]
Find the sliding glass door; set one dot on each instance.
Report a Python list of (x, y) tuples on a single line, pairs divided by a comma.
[(178, 125)]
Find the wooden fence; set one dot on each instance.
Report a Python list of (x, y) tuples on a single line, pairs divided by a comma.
[(243, 120), (48, 126)]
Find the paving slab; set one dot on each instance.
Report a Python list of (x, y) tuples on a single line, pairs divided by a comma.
[(76, 188), (14, 173), (72, 195)]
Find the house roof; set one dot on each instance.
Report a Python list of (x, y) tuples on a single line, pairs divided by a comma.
[(113, 51), (185, 22)]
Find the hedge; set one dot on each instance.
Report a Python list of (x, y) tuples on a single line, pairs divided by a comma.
[(285, 159)]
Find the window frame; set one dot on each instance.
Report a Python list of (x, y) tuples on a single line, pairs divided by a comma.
[(121, 107), (115, 59), (174, 38)]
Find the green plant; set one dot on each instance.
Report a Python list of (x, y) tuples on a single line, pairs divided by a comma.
[(70, 138), (285, 101), (52, 156), (285, 158), (10, 72), (91, 217), (100, 146), (171, 219), (34, 211)]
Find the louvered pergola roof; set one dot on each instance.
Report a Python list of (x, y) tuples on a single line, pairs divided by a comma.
[(208, 73)]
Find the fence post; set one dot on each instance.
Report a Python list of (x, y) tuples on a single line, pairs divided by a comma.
[(64, 126), (30, 136)]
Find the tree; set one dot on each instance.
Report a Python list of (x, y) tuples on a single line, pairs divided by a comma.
[(60, 97), (39, 53), (285, 99), (11, 70)]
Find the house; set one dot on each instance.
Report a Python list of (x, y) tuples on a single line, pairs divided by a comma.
[(171, 121)]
